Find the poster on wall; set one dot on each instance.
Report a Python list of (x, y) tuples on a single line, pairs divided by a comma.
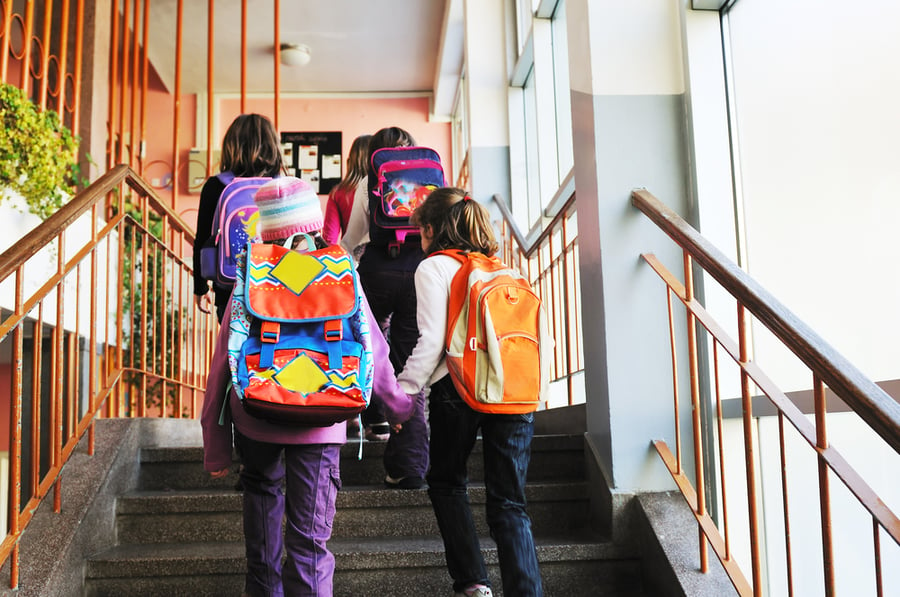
[(313, 157)]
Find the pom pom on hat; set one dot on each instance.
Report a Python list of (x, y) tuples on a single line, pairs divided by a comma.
[(287, 205)]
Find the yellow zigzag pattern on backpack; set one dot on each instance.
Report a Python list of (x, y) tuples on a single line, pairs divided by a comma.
[(297, 271), (302, 374)]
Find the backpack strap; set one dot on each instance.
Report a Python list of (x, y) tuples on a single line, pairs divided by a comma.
[(269, 333), (226, 177), (334, 333)]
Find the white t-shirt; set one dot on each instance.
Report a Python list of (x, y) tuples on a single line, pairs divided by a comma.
[(358, 223), (426, 364)]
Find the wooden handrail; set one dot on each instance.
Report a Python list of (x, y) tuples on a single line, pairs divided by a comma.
[(557, 210), (136, 272), (869, 401), (43, 235)]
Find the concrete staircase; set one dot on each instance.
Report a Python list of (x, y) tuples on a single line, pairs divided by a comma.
[(179, 532)]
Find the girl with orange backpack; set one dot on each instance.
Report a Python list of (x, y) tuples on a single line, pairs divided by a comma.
[(451, 222)]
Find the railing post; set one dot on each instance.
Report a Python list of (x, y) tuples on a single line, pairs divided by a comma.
[(824, 485), (59, 351), (15, 433), (749, 451), (6, 47), (673, 348), (695, 407)]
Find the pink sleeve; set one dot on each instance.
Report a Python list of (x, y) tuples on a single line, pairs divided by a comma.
[(331, 229), (217, 436)]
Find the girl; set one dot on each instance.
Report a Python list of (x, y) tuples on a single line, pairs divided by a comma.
[(450, 219), (342, 197), (250, 148), (287, 470), (388, 284)]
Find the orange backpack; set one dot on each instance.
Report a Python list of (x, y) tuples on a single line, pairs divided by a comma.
[(498, 348)]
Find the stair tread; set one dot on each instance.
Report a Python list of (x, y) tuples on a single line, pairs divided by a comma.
[(539, 443), (178, 558), (366, 496)]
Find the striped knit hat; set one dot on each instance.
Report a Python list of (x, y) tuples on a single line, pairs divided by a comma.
[(287, 205)]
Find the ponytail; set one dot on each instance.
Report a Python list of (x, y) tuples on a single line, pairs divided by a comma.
[(457, 222)]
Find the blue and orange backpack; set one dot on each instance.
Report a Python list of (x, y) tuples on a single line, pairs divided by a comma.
[(299, 347)]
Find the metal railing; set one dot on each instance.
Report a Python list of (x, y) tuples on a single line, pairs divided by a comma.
[(827, 369), (549, 258), (99, 320)]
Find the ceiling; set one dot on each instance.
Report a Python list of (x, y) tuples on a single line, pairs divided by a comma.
[(357, 46)]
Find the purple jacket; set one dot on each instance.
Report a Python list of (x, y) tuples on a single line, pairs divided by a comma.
[(218, 440)]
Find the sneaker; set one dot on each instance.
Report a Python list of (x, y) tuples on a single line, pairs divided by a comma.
[(403, 482), (379, 432), (476, 591)]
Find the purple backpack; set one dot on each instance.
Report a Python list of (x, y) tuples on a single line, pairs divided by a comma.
[(234, 225)]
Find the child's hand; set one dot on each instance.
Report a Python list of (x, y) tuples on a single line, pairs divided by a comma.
[(219, 474), (396, 428)]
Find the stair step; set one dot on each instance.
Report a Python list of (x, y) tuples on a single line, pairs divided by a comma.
[(180, 531), (215, 514), (553, 457), (408, 565)]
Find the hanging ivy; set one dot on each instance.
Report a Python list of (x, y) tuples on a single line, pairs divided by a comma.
[(38, 154)]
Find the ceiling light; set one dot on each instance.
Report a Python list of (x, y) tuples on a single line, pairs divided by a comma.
[(295, 54)]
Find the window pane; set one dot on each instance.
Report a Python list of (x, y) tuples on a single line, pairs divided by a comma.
[(531, 154), (564, 150)]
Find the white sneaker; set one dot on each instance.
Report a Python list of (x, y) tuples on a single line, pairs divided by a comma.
[(476, 591)]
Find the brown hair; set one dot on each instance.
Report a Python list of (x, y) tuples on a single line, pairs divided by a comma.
[(357, 164), (318, 241), (392, 136), (457, 222), (251, 147)]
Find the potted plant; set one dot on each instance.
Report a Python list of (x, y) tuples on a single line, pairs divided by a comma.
[(38, 154)]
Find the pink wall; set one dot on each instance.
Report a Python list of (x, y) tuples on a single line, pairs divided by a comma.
[(159, 137), (352, 117)]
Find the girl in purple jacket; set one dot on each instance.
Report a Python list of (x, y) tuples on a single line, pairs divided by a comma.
[(286, 471)]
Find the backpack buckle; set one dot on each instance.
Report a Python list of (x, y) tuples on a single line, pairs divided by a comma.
[(334, 333), (473, 344), (269, 331), (334, 330)]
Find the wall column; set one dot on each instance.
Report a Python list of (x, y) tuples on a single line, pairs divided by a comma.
[(628, 110)]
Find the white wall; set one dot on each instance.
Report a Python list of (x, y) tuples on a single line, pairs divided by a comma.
[(815, 95), (817, 86), (18, 222)]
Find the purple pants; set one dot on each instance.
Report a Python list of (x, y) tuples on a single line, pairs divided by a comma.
[(302, 485)]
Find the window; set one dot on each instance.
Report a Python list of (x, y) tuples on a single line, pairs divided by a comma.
[(460, 136), (540, 111), (564, 150)]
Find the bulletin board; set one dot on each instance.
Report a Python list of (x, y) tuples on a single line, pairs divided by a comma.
[(313, 157)]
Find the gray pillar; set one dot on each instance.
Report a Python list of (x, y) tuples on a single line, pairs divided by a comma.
[(627, 115)]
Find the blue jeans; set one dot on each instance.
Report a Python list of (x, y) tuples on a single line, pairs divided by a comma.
[(392, 296), (507, 452), (304, 485)]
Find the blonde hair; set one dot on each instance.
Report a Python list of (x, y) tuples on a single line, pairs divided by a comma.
[(251, 147), (457, 222), (357, 164)]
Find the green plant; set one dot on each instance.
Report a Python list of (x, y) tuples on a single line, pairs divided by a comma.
[(38, 154)]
